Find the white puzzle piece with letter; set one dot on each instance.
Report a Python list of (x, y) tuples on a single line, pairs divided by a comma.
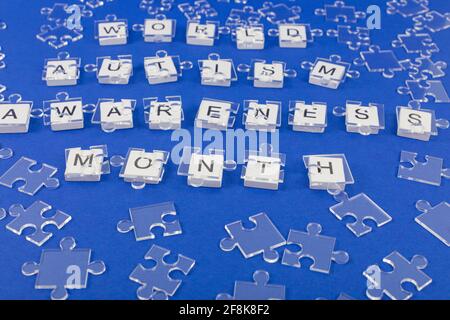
[(262, 116), (86, 165), (111, 31), (216, 114), (163, 68), (362, 119), (216, 71), (157, 29), (63, 70), (202, 34), (111, 70), (308, 117), (164, 114), (294, 35), (250, 37), (15, 114), (113, 115), (64, 113), (267, 75)]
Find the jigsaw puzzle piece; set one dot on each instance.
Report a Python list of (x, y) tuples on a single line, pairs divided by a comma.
[(377, 60), (314, 246), (58, 36), (435, 220), (340, 12), (95, 3), (415, 42), (245, 16), (64, 269), (433, 21), (429, 172), (407, 8), (421, 90), (354, 38), (34, 180), (156, 282), (390, 283), (260, 289), (60, 12), (33, 217), (263, 238), (279, 13), (361, 208), (144, 219), (424, 67)]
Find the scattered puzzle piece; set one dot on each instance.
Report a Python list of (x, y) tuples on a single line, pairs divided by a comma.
[(59, 36), (422, 90), (263, 238), (407, 8), (198, 10), (314, 246), (64, 269), (414, 42), (144, 219), (156, 282), (257, 290), (156, 6), (35, 217), (361, 208), (390, 283), (95, 3), (245, 16), (34, 179), (429, 172), (422, 68), (435, 219), (280, 12), (339, 12), (354, 38), (433, 21), (60, 12)]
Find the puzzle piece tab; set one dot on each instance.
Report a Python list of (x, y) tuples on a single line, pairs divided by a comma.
[(35, 217), (156, 283), (257, 290), (5, 153), (390, 283), (263, 238), (34, 179), (63, 269), (435, 219), (361, 208), (429, 172), (144, 219), (314, 246)]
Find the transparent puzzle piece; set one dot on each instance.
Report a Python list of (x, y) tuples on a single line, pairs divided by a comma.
[(423, 90), (407, 8), (433, 21), (340, 12), (430, 172), (377, 60), (435, 219)]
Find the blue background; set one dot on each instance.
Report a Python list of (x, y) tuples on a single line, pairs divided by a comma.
[(97, 207)]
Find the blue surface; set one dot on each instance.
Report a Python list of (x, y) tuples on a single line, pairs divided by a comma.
[(97, 207)]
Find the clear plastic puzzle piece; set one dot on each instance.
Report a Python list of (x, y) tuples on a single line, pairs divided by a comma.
[(114, 115), (35, 217), (430, 172), (141, 167), (15, 114), (58, 36), (308, 117), (329, 73), (415, 42), (144, 219), (432, 21), (329, 172), (59, 13), (204, 169), (423, 90), (262, 116), (157, 283), (154, 7), (246, 15), (63, 70), (259, 289), (94, 4), (314, 246), (340, 12), (111, 31), (197, 10), (390, 283), (164, 114), (377, 60), (249, 37), (264, 238), (407, 8), (64, 113), (424, 68), (86, 165), (266, 74), (264, 168), (361, 208), (157, 29), (435, 219), (57, 267), (416, 123), (294, 35), (354, 38), (112, 70), (365, 120), (163, 68), (216, 71), (34, 180), (216, 114), (280, 12)]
